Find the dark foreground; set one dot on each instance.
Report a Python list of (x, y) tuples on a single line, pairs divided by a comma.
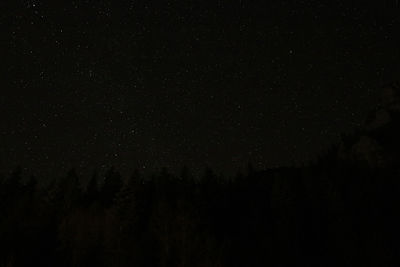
[(326, 215)]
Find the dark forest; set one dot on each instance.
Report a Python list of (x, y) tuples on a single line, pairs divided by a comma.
[(337, 211)]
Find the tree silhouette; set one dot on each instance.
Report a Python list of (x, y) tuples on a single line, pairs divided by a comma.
[(111, 186)]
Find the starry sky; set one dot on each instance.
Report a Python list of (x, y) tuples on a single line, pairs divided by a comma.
[(137, 84)]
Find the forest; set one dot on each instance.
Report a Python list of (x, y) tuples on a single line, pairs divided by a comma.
[(341, 210)]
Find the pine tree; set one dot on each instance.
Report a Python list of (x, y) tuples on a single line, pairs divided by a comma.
[(112, 185), (92, 190)]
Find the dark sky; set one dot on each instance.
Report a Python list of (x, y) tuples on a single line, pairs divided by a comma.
[(140, 84)]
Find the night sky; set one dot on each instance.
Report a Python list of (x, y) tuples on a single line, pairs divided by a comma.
[(138, 84)]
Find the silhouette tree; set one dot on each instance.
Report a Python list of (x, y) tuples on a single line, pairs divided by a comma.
[(91, 194), (69, 191), (111, 186)]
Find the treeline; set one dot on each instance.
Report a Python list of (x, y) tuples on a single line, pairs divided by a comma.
[(334, 213)]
